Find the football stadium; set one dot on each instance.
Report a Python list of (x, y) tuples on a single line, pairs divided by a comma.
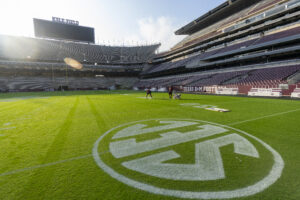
[(216, 116)]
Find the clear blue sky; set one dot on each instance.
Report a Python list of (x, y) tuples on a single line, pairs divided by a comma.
[(115, 21)]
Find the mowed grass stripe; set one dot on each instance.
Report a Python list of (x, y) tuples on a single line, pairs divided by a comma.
[(41, 177), (102, 123), (26, 145)]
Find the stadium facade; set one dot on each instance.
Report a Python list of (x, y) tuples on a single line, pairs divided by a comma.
[(240, 47)]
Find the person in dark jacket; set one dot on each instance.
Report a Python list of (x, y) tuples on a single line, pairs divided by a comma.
[(148, 91), (170, 92)]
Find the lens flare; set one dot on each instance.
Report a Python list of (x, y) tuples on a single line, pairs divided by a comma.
[(73, 63)]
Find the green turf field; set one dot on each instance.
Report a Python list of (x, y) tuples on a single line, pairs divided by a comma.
[(84, 145)]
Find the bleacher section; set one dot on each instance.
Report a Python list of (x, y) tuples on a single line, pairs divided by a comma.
[(230, 50), (240, 47), (22, 48), (44, 83), (259, 77), (29, 64), (237, 20), (44, 76), (7, 64), (256, 78), (262, 21), (255, 50)]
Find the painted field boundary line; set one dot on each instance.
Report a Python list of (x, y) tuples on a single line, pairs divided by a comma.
[(18, 100), (263, 117), (49, 164), (44, 165), (25, 115), (8, 128), (34, 111), (10, 107)]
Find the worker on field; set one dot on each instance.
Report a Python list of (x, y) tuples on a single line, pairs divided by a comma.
[(177, 96), (170, 92), (148, 92)]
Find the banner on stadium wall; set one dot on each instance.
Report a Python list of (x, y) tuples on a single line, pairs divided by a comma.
[(270, 92), (227, 91), (192, 89), (210, 89), (284, 86)]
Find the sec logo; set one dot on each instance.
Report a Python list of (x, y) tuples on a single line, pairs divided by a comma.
[(188, 159)]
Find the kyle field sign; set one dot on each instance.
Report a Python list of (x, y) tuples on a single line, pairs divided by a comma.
[(188, 159)]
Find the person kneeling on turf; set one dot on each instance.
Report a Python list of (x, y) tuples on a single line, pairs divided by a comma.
[(177, 96)]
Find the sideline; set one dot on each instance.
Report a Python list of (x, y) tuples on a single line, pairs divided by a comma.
[(263, 117), (49, 164), (8, 128), (44, 165)]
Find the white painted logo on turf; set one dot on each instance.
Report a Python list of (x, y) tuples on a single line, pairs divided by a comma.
[(140, 128), (130, 147), (153, 157), (208, 161), (197, 105)]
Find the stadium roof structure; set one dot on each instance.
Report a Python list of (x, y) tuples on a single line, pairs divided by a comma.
[(224, 10)]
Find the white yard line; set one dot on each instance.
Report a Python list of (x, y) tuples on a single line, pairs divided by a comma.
[(44, 165), (263, 117), (8, 128), (27, 116), (48, 164)]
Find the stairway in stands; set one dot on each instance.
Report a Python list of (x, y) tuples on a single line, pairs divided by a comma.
[(295, 78)]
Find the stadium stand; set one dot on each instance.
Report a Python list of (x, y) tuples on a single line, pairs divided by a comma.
[(240, 47), (31, 64), (257, 77), (43, 83), (46, 76), (21, 48), (250, 49)]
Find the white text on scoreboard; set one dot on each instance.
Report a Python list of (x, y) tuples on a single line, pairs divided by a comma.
[(65, 21)]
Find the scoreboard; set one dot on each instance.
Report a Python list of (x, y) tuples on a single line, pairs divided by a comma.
[(63, 29)]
